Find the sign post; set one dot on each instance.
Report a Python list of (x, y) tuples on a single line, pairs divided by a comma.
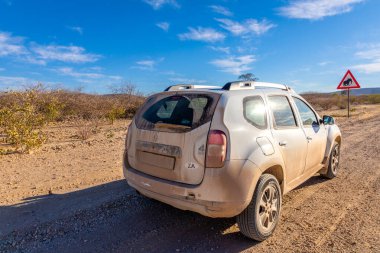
[(348, 103), (348, 82)]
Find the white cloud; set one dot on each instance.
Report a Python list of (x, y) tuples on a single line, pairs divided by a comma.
[(235, 65), (10, 45), (147, 64), (86, 76), (221, 10), (317, 9), (368, 68), (371, 53), (225, 50), (202, 34), (72, 54), (41, 54), (157, 4), (77, 29), (246, 27), (116, 78), (164, 26), (67, 71), (96, 68), (186, 80), (32, 59)]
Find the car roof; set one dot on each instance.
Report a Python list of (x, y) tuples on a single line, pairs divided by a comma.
[(235, 88)]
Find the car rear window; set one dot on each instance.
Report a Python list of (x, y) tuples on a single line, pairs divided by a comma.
[(176, 113)]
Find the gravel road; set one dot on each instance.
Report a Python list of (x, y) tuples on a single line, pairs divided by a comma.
[(339, 215)]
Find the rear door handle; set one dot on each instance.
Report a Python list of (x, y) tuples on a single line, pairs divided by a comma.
[(309, 138), (282, 143)]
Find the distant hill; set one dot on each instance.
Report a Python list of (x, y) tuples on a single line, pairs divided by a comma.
[(363, 91)]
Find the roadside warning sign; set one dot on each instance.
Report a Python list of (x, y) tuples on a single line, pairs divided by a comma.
[(348, 82)]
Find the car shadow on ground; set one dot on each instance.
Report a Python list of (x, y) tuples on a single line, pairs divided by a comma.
[(135, 222), (120, 220), (314, 180)]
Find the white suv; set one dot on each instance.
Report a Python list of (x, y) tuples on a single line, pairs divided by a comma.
[(231, 151)]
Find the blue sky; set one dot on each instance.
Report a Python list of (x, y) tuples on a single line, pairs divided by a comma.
[(95, 45)]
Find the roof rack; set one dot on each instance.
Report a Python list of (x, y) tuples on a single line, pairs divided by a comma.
[(240, 85), (190, 86)]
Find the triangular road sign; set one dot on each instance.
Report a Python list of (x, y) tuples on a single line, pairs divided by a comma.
[(348, 82)]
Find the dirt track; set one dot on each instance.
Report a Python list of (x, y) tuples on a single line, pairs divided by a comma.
[(339, 215)]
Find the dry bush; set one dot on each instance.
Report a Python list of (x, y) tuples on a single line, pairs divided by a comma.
[(21, 121), (89, 106), (84, 132), (85, 129), (58, 105), (323, 101), (24, 113)]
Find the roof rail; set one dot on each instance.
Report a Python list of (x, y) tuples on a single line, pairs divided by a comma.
[(240, 85), (190, 86)]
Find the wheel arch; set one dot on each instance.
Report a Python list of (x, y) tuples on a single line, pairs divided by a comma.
[(278, 172), (338, 139), (333, 135)]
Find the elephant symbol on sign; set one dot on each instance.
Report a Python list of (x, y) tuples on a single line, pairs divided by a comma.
[(347, 82)]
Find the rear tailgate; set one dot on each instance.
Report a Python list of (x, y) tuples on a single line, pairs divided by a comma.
[(168, 136)]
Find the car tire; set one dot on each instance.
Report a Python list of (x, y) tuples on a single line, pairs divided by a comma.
[(260, 218), (333, 167)]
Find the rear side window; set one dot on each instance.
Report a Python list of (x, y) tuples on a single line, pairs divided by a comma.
[(177, 113), (254, 111), (282, 111), (307, 115)]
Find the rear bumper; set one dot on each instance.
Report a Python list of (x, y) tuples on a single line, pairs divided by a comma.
[(224, 192)]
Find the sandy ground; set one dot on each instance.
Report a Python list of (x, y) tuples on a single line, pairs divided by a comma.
[(65, 163), (69, 196)]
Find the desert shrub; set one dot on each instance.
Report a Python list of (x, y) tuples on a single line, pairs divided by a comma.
[(59, 105), (51, 108), (84, 132), (115, 113), (23, 114), (21, 122), (338, 100), (373, 99)]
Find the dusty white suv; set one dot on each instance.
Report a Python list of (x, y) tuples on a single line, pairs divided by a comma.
[(231, 151)]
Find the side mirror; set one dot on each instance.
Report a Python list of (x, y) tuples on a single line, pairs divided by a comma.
[(328, 120)]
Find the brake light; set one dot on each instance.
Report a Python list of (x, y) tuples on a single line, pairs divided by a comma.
[(216, 149)]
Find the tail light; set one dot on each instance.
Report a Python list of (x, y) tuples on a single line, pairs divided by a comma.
[(216, 149)]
